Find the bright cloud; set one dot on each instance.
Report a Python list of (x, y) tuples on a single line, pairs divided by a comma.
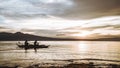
[(58, 26)]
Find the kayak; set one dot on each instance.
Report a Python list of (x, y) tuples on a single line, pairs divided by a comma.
[(32, 46)]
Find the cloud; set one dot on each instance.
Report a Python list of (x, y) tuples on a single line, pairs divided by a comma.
[(103, 25), (5, 29), (58, 17), (87, 9), (41, 32), (30, 8), (2, 27), (70, 9)]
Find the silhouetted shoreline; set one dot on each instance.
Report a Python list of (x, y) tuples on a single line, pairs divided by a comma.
[(70, 65), (18, 36)]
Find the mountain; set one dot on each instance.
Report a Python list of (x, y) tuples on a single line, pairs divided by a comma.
[(4, 36), (18, 36)]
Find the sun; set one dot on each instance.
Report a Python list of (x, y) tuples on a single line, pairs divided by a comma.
[(82, 34)]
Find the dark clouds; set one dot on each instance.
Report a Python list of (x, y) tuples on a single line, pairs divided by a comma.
[(94, 8), (5, 29), (2, 27)]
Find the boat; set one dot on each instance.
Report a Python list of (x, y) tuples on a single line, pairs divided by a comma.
[(30, 46)]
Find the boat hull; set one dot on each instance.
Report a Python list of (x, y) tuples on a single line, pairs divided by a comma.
[(32, 46)]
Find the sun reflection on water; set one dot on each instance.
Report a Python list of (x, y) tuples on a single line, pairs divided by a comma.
[(82, 47)]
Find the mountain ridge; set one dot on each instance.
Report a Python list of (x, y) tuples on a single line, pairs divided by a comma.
[(19, 36)]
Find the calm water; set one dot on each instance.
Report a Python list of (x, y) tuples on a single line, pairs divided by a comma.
[(60, 50)]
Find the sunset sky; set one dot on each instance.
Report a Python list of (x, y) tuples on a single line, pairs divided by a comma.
[(61, 18)]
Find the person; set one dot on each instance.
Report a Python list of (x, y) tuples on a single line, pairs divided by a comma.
[(26, 45), (35, 45)]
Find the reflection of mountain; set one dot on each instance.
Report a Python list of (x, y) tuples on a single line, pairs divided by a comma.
[(21, 36)]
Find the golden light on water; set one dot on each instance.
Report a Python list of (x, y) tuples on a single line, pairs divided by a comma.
[(82, 46)]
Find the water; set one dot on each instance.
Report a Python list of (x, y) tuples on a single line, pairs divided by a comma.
[(60, 50)]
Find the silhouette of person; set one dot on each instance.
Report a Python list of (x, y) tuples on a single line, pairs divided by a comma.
[(26, 45), (35, 45)]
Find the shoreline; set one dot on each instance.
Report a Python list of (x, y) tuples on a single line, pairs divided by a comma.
[(60, 64), (71, 65)]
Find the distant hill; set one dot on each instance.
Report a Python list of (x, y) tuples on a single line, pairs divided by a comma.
[(4, 36), (18, 36)]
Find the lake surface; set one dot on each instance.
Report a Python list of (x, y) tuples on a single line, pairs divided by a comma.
[(60, 50)]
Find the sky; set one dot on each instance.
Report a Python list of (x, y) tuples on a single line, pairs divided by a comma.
[(61, 18)]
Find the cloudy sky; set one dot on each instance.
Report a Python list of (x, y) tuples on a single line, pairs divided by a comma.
[(61, 18)]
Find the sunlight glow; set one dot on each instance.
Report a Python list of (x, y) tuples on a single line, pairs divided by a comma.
[(82, 46), (82, 34)]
